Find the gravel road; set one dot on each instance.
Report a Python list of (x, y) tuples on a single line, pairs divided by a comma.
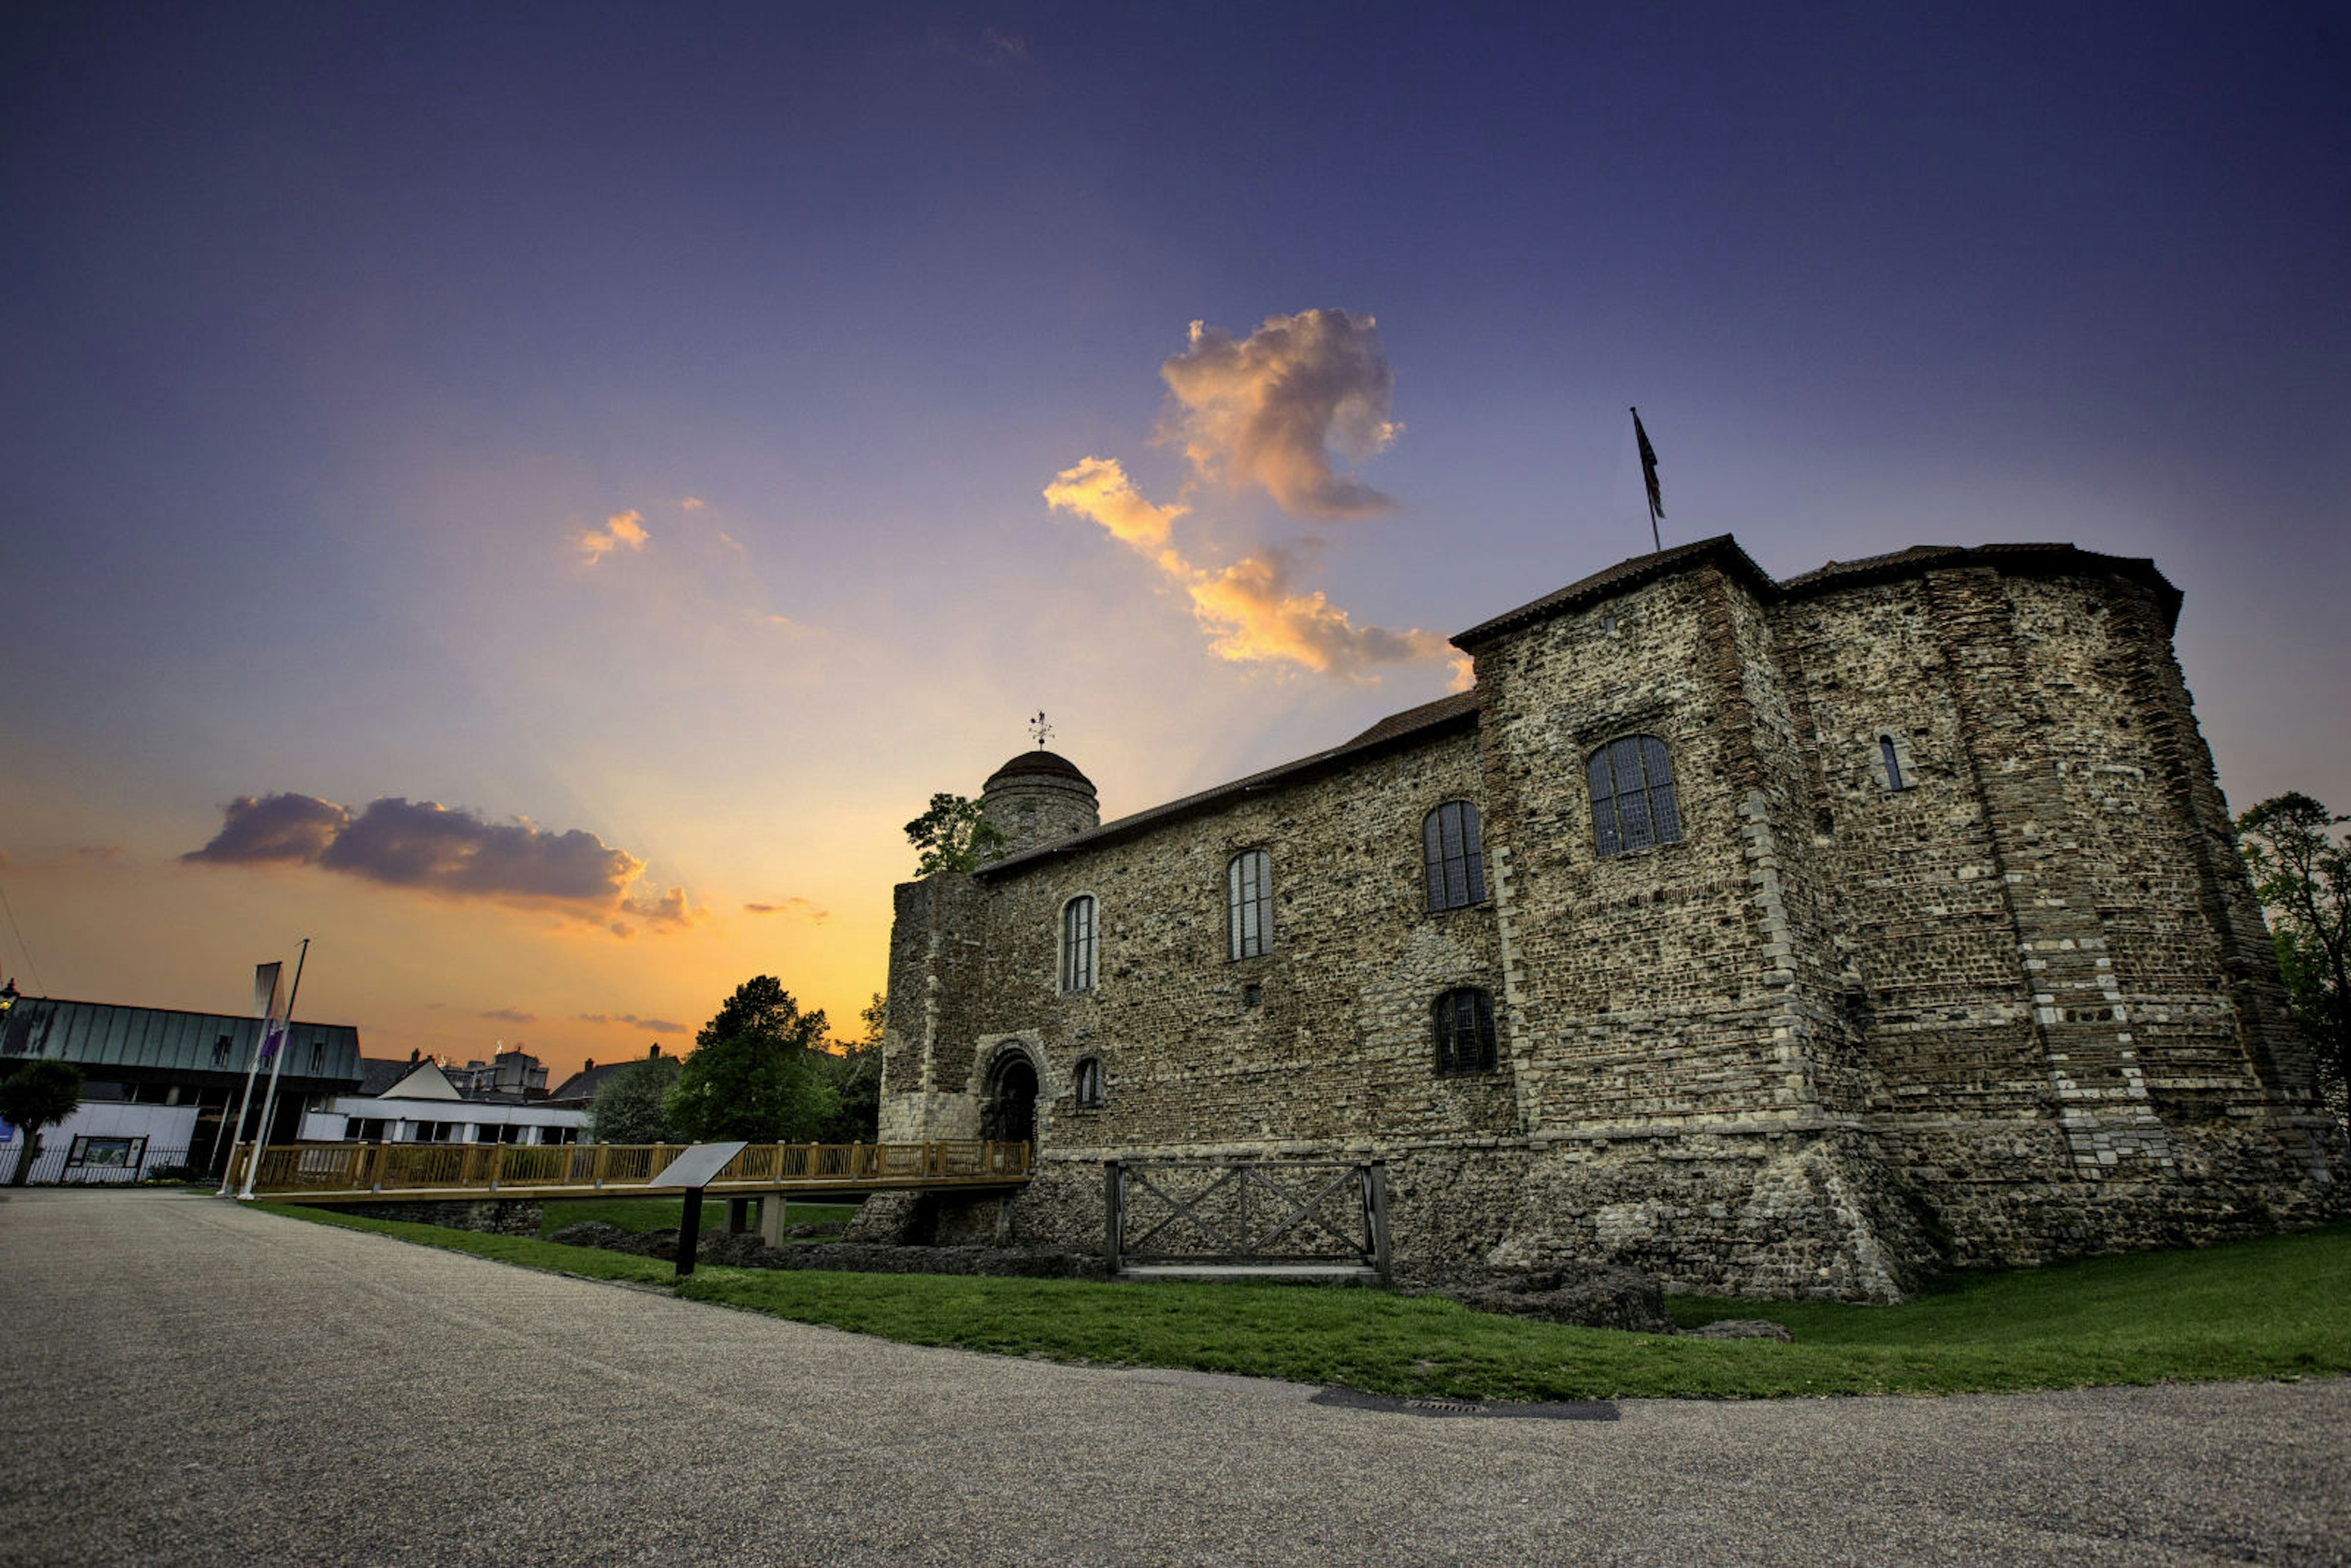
[(187, 1382)]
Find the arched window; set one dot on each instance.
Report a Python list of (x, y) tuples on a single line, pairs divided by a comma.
[(1249, 905), (1090, 1082), (1632, 795), (1464, 1031), (1457, 861), (1889, 764), (1078, 944)]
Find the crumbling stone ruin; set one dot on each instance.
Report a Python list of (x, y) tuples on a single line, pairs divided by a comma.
[(1777, 938)]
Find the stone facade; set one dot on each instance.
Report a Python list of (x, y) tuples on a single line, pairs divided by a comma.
[(1837, 1034)]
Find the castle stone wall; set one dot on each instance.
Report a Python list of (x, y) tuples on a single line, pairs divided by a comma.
[(1837, 1035)]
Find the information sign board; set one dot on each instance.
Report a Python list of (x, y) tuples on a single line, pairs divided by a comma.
[(697, 1165)]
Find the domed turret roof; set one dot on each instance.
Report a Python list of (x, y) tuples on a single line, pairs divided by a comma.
[(1030, 764)]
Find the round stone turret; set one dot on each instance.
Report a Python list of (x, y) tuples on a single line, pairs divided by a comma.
[(1038, 797)]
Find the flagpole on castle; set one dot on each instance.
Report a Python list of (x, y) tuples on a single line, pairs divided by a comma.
[(1649, 480), (269, 1100)]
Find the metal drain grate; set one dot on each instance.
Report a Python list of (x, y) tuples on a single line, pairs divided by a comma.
[(1445, 1406)]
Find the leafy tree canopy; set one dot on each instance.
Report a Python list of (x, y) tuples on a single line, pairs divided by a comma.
[(2301, 875), (954, 836), (750, 1076), (853, 1068), (39, 1094), (627, 1108)]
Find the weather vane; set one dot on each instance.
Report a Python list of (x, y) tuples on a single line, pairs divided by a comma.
[(1040, 729)]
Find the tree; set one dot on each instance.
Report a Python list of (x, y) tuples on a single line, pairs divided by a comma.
[(39, 1094), (628, 1104), (954, 836), (2301, 875), (853, 1068), (749, 1076)]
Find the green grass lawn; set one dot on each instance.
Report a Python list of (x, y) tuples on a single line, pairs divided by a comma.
[(665, 1213), (2277, 1307)]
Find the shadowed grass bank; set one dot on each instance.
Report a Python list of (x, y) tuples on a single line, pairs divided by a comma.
[(2276, 1307)]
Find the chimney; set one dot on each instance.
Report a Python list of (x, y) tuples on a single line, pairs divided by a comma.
[(654, 1052), (413, 1057), (589, 1065)]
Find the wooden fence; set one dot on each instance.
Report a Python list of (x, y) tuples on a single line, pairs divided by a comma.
[(354, 1172)]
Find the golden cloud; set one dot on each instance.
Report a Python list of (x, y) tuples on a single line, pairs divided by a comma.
[(1253, 614), (1098, 488), (621, 529), (1252, 610), (1267, 409)]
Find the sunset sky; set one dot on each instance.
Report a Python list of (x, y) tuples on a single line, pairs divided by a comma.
[(534, 497)]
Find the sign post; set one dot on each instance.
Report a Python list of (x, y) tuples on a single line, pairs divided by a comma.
[(694, 1170)]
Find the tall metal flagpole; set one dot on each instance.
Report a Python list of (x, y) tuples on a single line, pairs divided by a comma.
[(252, 1070), (269, 1100)]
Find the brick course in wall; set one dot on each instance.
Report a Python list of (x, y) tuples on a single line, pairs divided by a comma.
[(1837, 1035)]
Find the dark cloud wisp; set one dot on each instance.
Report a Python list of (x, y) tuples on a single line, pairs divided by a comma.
[(258, 830), (805, 908), (659, 1026), (438, 849)]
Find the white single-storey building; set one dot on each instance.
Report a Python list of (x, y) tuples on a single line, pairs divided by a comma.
[(424, 1107)]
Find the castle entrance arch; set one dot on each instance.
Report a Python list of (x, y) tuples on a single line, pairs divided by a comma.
[(1009, 1113)]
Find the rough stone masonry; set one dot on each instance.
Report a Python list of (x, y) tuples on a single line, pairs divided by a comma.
[(1918, 938)]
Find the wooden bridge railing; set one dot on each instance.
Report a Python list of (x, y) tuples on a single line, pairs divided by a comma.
[(353, 1169)]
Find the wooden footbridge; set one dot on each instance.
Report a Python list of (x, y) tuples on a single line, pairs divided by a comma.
[(426, 1172)]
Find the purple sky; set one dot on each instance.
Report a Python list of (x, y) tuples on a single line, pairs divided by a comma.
[(337, 335)]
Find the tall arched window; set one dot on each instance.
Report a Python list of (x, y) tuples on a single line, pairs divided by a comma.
[(1889, 763), (1078, 944), (1090, 1081), (1632, 795), (1464, 1031), (1249, 904), (1457, 861)]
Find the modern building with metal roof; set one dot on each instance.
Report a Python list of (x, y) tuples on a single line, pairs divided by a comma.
[(189, 1067)]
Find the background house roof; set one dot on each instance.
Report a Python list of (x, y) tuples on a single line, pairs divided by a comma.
[(380, 1073), (581, 1086)]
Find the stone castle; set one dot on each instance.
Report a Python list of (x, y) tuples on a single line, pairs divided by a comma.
[(1780, 939)]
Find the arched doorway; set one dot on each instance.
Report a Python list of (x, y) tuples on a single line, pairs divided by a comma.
[(1008, 1115)]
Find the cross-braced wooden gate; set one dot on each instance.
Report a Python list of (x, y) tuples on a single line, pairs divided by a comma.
[(1247, 1216)]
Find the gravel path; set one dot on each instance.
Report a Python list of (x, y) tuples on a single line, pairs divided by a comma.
[(186, 1382)]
